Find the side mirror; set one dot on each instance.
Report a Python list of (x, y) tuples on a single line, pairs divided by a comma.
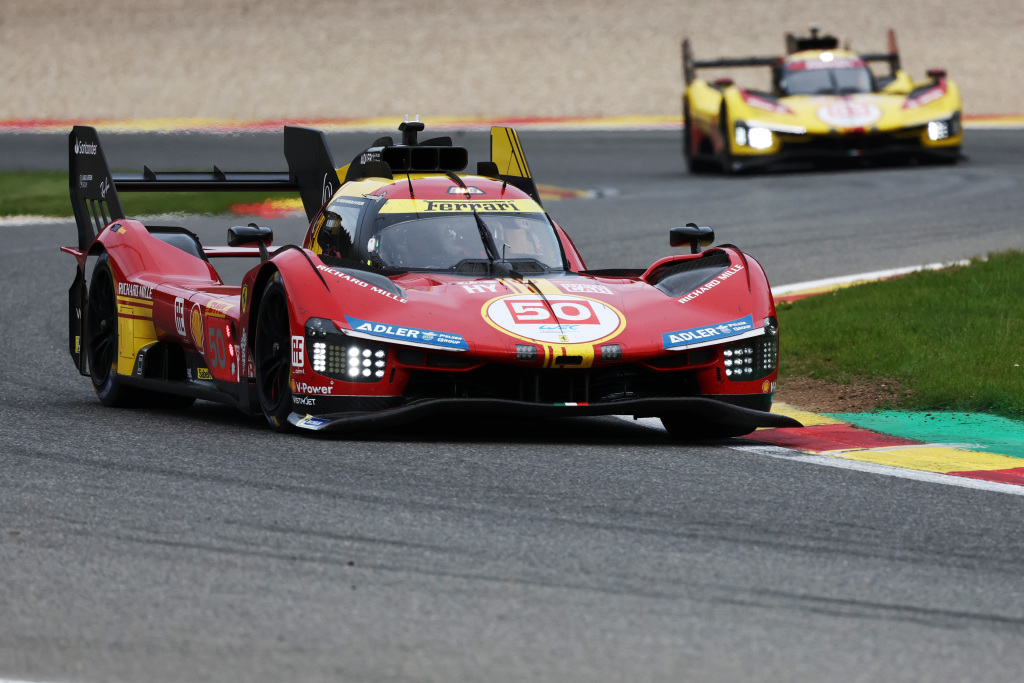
[(693, 236), (241, 235)]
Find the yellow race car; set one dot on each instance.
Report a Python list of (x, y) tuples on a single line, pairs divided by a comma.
[(824, 104)]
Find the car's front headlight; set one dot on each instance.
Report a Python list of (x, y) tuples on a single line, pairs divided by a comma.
[(333, 354), (755, 137), (945, 128), (760, 138)]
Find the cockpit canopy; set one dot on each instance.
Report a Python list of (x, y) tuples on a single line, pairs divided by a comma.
[(824, 74), (446, 241), (440, 235)]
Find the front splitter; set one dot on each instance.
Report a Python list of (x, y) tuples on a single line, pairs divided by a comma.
[(706, 409)]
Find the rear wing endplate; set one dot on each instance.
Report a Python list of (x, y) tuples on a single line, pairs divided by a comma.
[(892, 56), (508, 161), (93, 196)]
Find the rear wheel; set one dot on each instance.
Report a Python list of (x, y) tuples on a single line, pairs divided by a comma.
[(687, 428), (101, 338), (272, 355), (101, 344)]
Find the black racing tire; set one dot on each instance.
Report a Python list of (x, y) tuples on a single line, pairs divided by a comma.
[(686, 427), (687, 135), (692, 164), (696, 161), (725, 160), (101, 339), (272, 355), (101, 330)]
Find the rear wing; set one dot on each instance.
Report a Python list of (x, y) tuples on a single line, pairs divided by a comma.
[(95, 190), (892, 57), (311, 171), (690, 65), (793, 44)]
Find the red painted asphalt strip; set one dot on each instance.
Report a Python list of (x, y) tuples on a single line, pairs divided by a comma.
[(821, 438), (1013, 476)]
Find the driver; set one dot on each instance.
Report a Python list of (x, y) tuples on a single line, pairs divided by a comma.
[(333, 238), (457, 245)]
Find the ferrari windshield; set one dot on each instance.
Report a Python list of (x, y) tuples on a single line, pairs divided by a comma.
[(442, 242), (800, 80)]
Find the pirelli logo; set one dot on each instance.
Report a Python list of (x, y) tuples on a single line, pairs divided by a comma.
[(466, 206)]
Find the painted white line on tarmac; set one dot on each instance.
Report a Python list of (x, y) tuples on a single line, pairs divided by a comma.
[(863, 277), (885, 470), (782, 453), (22, 221)]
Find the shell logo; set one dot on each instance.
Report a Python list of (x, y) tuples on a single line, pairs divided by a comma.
[(197, 327), (559, 319)]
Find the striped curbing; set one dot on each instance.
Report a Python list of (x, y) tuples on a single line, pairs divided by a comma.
[(832, 436)]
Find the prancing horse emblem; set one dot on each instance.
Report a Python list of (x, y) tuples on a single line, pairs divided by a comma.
[(328, 188)]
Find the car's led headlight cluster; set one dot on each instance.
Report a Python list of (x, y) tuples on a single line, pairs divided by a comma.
[(946, 128), (755, 137), (334, 355), (364, 363), (940, 130), (753, 358)]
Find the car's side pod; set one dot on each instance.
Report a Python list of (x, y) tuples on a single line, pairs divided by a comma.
[(692, 235)]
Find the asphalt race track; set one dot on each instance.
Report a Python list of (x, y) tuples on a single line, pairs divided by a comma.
[(199, 546)]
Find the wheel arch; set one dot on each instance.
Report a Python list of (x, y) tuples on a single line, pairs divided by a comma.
[(256, 298)]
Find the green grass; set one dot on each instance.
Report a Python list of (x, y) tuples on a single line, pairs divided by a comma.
[(45, 193), (954, 338)]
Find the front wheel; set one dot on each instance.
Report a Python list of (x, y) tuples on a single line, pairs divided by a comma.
[(272, 355), (726, 157)]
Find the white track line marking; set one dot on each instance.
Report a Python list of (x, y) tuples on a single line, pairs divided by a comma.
[(886, 470), (781, 453), (863, 277)]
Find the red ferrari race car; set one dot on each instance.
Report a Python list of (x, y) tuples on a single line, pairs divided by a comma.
[(417, 289)]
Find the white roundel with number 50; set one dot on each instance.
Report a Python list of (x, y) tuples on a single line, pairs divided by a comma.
[(559, 319)]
